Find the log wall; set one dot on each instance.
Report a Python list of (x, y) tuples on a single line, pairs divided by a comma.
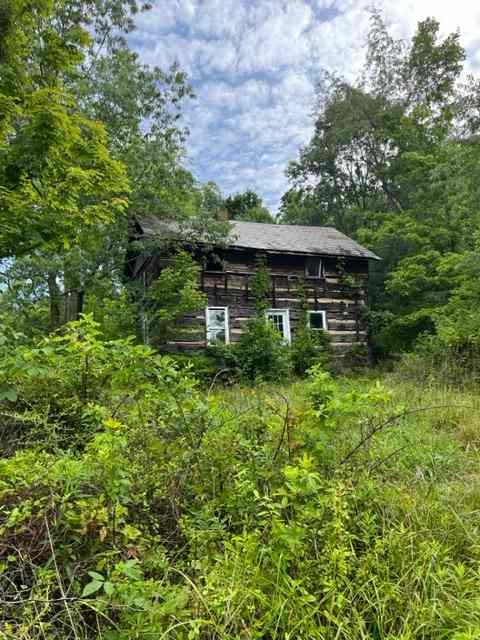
[(231, 288)]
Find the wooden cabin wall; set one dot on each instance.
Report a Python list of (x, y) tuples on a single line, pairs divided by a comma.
[(231, 288)]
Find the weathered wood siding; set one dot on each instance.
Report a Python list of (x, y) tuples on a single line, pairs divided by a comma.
[(232, 288)]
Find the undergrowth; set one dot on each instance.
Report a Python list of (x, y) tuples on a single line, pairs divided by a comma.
[(327, 508)]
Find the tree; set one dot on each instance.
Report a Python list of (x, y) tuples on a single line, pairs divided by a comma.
[(375, 141), (56, 173), (390, 162), (136, 110), (247, 206)]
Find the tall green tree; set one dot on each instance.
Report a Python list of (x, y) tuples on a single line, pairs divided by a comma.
[(56, 172), (393, 160), (137, 111)]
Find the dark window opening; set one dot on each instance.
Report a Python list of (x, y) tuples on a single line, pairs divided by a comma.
[(317, 320), (313, 268), (213, 262)]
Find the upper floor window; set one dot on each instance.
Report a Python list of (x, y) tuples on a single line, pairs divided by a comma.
[(313, 267), (213, 262)]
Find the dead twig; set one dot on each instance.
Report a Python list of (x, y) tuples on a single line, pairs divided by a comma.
[(59, 580), (285, 428), (217, 375), (391, 420), (387, 458)]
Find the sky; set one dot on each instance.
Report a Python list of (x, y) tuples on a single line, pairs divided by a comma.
[(253, 65)]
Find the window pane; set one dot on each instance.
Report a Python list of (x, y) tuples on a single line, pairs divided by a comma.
[(216, 325), (277, 321), (216, 335), (312, 267), (316, 320), (216, 318)]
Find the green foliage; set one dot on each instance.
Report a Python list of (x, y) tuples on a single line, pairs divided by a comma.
[(56, 173), (89, 137), (203, 365), (137, 504), (260, 286), (247, 206), (309, 347), (53, 389), (394, 161), (171, 296), (356, 358), (458, 322), (324, 510), (262, 352)]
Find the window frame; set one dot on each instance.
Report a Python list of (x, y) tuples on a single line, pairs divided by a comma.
[(320, 266), (287, 334), (227, 323), (317, 312)]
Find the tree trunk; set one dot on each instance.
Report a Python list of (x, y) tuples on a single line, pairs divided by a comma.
[(54, 296), (74, 304)]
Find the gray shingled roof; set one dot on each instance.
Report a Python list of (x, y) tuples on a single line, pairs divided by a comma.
[(296, 239), (282, 238)]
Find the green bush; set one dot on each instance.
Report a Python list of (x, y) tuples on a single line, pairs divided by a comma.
[(437, 362), (309, 348), (202, 365), (56, 390), (261, 352), (226, 359)]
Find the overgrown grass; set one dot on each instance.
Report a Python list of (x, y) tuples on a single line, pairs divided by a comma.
[(410, 532), (329, 509)]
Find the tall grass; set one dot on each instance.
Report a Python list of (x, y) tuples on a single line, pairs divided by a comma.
[(322, 509)]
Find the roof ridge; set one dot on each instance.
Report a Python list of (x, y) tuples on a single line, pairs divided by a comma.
[(284, 224)]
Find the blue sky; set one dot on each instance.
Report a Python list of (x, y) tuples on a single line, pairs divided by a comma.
[(253, 65)]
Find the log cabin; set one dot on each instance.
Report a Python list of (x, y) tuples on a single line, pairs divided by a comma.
[(317, 267)]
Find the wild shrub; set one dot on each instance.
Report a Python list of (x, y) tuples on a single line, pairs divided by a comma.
[(326, 510), (436, 361), (309, 348), (57, 391), (227, 361), (262, 352), (171, 296), (202, 365)]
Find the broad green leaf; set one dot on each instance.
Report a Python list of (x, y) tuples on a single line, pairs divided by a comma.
[(8, 394), (92, 587), (96, 576)]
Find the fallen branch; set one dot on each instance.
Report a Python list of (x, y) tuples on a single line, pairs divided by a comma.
[(391, 421)]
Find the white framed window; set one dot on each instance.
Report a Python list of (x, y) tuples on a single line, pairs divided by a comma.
[(216, 320), (280, 319), (317, 320), (313, 267)]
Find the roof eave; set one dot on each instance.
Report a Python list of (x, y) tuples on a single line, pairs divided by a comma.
[(372, 256)]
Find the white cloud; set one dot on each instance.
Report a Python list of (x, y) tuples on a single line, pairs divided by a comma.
[(277, 39), (254, 63)]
